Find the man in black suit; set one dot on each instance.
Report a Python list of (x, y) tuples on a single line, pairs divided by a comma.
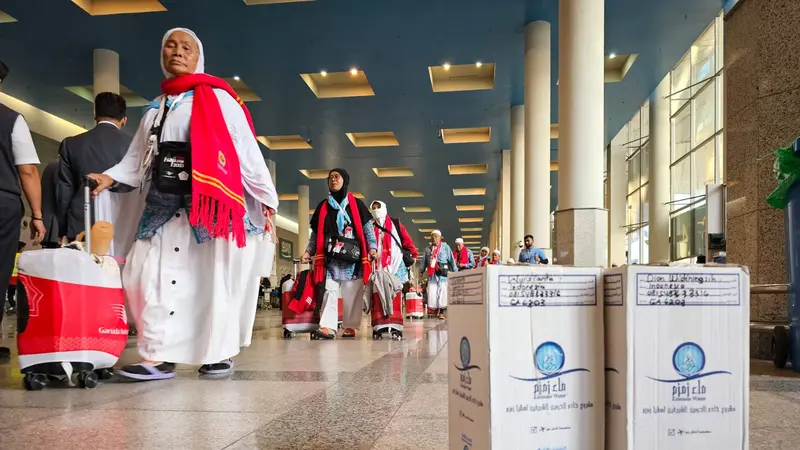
[(49, 183), (95, 151)]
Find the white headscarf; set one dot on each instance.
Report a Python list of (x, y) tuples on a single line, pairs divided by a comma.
[(201, 60), (459, 241), (380, 213)]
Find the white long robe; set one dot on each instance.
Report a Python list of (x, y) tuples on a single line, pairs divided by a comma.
[(195, 303)]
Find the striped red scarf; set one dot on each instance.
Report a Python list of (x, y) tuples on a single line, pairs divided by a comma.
[(386, 245), (217, 190)]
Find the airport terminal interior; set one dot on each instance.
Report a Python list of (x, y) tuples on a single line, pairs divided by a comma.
[(615, 133)]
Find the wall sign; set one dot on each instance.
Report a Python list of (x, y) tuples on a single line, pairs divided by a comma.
[(286, 249)]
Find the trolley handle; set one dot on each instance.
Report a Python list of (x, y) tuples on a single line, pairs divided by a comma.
[(89, 207)]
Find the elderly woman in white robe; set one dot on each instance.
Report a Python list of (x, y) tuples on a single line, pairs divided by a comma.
[(190, 278)]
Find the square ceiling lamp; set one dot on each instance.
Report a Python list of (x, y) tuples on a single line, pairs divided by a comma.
[(392, 172), (406, 194), (470, 219), (617, 66), (420, 221), (358, 195), (289, 142), (242, 89), (112, 7), (87, 93), (469, 192), (377, 139), (416, 209), (474, 229), (287, 197), (467, 169), (469, 208), (471, 236), (315, 174), (272, 2), (426, 230), (473, 135), (462, 77), (353, 83), (5, 18)]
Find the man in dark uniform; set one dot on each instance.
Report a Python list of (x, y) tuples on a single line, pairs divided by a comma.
[(18, 175), (94, 151)]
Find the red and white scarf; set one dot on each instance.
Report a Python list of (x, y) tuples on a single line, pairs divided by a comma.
[(217, 190), (433, 264), (386, 242), (463, 257)]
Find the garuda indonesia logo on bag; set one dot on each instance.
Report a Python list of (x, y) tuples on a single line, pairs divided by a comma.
[(689, 360), (549, 360)]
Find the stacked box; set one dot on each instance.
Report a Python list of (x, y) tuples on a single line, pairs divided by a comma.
[(677, 357), (526, 358)]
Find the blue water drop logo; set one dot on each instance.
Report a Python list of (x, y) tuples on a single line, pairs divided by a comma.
[(549, 358), (689, 359), (465, 354)]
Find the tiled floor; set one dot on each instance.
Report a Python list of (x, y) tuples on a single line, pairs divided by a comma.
[(297, 394)]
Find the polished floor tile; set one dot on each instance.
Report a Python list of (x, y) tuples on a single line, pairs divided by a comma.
[(297, 394)]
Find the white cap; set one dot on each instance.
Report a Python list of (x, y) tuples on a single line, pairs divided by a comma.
[(485, 248), (436, 233), (459, 241), (496, 252)]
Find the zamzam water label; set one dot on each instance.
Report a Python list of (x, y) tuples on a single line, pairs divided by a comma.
[(689, 363)]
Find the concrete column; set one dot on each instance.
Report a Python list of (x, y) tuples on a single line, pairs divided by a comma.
[(617, 186), (302, 220), (517, 174), (658, 189), (581, 221), (505, 222), (537, 132), (106, 71)]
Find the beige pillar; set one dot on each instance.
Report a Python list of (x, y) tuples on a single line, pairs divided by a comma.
[(537, 132), (518, 200), (617, 186), (302, 220), (106, 71), (581, 221), (505, 222), (658, 189)]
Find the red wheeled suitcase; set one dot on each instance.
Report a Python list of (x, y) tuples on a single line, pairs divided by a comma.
[(393, 323), (414, 307), (293, 323), (71, 314)]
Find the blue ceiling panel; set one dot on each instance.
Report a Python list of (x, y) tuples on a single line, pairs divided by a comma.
[(393, 41)]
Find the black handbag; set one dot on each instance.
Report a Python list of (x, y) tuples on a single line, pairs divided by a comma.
[(408, 259), (443, 270), (343, 249), (172, 164)]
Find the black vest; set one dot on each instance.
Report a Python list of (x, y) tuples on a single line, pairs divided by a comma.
[(9, 176)]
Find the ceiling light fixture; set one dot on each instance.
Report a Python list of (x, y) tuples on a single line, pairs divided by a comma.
[(354, 71), (324, 73), (236, 77), (478, 64), (612, 55), (446, 66)]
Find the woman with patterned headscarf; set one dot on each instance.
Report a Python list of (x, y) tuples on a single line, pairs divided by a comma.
[(342, 245), (190, 278)]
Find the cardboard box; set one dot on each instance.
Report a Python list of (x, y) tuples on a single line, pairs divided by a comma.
[(526, 358), (677, 357)]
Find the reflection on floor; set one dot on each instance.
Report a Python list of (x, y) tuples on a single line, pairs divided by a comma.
[(298, 394)]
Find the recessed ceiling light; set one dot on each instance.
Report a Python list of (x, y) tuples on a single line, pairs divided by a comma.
[(612, 55), (446, 66), (416, 209), (353, 71), (469, 207), (472, 229), (460, 192), (426, 230), (324, 73), (236, 77), (470, 219), (478, 64), (423, 220), (406, 194), (392, 172)]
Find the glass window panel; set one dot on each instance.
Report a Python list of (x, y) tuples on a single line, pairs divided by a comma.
[(681, 134), (681, 185), (645, 202), (680, 80), (681, 235), (720, 101), (699, 221), (720, 160), (634, 131), (634, 247), (633, 209), (703, 107), (645, 162), (645, 119), (645, 257), (704, 53), (704, 168), (634, 171), (720, 39)]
